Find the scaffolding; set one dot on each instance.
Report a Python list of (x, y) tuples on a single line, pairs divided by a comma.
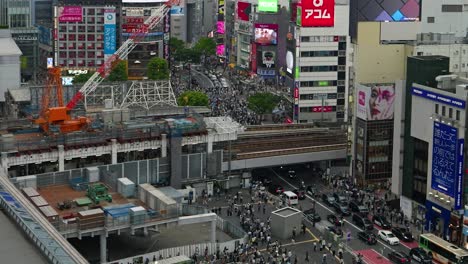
[(148, 94)]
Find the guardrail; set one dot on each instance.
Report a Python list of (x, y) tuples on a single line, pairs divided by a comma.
[(291, 151)]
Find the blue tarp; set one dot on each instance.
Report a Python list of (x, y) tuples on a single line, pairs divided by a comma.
[(118, 210)]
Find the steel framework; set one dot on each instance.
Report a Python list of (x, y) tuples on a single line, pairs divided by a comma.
[(96, 99), (147, 94)]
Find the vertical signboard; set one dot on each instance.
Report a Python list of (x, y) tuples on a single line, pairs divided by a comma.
[(460, 171), (109, 31), (296, 100), (444, 159), (167, 30), (253, 58)]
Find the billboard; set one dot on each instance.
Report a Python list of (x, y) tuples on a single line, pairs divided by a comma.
[(268, 6), (440, 98), (70, 14), (220, 49), (444, 159), (178, 9), (268, 59), (109, 31), (320, 109), (243, 11), (375, 102), (266, 34), (221, 8), (220, 27), (44, 35), (253, 59), (316, 13), (378, 10)]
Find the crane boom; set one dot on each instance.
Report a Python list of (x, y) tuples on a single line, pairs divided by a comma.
[(122, 53)]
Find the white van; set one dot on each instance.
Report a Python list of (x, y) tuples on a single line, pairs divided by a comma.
[(290, 198)]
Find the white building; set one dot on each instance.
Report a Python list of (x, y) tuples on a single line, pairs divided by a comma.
[(442, 16), (321, 69), (10, 76), (445, 45)]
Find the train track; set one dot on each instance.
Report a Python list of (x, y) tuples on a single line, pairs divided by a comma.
[(75, 256), (290, 151)]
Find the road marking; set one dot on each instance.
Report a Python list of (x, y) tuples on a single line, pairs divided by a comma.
[(295, 243), (328, 209), (310, 232), (380, 254)]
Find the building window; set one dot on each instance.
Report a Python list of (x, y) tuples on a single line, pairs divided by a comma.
[(443, 110), (430, 19), (305, 39), (452, 8), (455, 66), (457, 117), (450, 112), (436, 108)]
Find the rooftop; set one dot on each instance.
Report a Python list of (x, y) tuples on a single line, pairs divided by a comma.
[(9, 47)]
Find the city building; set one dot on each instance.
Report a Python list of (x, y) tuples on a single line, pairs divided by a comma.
[(154, 44), (444, 44), (383, 11), (318, 61), (18, 16), (194, 19), (9, 66), (429, 131), (374, 133), (441, 16)]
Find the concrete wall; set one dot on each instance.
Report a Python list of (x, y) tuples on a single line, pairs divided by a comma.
[(375, 62), (455, 22), (398, 137)]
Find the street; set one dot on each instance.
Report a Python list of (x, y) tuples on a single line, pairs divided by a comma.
[(372, 253)]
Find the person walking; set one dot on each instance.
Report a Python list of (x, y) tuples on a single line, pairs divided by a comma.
[(315, 246), (307, 255)]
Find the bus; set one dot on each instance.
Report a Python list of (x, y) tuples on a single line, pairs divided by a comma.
[(442, 251)]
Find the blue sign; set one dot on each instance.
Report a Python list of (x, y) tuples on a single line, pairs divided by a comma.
[(109, 39), (438, 98), (460, 171), (44, 35), (444, 159)]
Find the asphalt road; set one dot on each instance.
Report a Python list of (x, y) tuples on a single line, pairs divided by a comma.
[(203, 80), (354, 243)]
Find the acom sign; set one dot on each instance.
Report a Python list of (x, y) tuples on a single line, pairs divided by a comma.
[(317, 13)]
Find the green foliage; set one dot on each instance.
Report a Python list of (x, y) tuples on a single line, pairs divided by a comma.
[(192, 98), (176, 45), (185, 55), (4, 27), (82, 78), (262, 103), (206, 46), (158, 69), (119, 73)]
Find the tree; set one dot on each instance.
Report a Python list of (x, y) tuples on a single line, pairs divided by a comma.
[(118, 73), (82, 78), (193, 98), (176, 45), (262, 103), (206, 46), (158, 69)]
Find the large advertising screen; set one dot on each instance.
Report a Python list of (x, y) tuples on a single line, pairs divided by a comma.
[(220, 49), (266, 34), (268, 6), (70, 14), (444, 159), (178, 9), (375, 102), (395, 10), (243, 11), (268, 59), (316, 13)]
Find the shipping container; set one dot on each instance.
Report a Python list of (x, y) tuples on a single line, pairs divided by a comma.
[(39, 201)]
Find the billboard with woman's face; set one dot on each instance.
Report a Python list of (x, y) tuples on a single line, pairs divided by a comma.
[(375, 102)]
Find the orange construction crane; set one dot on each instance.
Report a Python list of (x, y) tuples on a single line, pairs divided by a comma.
[(57, 115)]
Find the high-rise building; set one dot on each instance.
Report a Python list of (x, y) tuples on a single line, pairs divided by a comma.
[(317, 61), (18, 16), (443, 16)]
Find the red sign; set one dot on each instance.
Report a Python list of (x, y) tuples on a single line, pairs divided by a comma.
[(243, 11), (296, 92), (318, 13), (319, 109)]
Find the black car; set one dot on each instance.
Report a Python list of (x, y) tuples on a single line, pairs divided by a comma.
[(381, 221), (334, 220), (358, 208), (328, 199), (367, 237), (312, 216), (399, 257), (335, 230), (300, 194), (276, 189), (403, 234), (342, 209), (340, 198), (362, 222), (312, 191), (420, 255)]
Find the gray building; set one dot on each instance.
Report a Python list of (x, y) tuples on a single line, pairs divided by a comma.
[(9, 65), (193, 20), (19, 17)]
